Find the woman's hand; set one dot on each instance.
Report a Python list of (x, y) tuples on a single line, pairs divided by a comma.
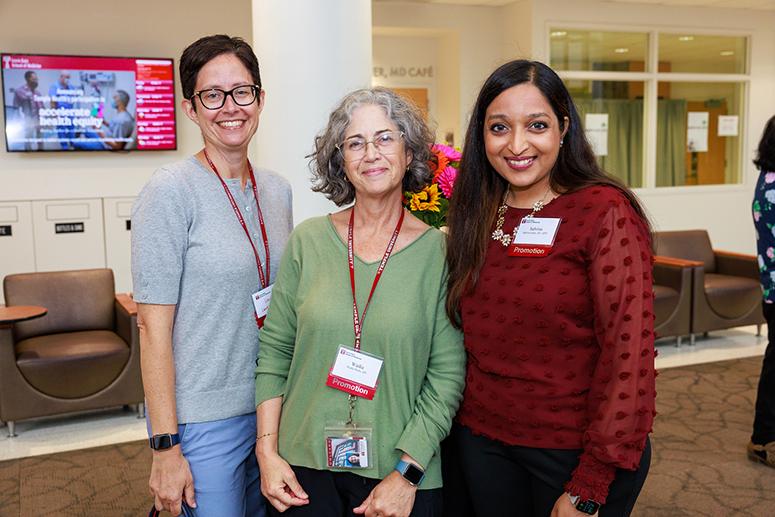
[(171, 482), (278, 482), (393, 497), (564, 508)]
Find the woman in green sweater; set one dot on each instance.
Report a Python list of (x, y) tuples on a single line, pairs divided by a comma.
[(359, 370)]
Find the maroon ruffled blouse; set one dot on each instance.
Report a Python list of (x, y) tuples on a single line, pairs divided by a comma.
[(561, 348)]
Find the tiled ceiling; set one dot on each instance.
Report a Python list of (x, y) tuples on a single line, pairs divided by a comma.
[(766, 5)]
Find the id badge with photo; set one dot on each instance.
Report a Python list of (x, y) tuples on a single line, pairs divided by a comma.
[(534, 237), (355, 372), (348, 446)]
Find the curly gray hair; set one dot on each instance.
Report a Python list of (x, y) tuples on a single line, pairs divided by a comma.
[(327, 164)]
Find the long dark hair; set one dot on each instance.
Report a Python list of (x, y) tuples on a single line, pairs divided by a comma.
[(479, 188), (765, 154)]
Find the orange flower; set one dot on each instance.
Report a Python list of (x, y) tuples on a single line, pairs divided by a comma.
[(443, 162)]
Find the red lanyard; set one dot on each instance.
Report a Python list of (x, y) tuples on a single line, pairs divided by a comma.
[(356, 323), (264, 280)]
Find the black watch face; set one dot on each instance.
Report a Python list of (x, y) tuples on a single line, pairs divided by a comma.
[(413, 474), (588, 507), (162, 442)]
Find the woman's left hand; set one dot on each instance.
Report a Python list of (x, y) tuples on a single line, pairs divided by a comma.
[(393, 497), (564, 508)]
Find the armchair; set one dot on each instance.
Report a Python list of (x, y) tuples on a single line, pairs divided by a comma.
[(83, 354), (726, 291), (673, 296)]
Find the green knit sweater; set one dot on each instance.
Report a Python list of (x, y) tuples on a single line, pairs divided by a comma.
[(311, 314)]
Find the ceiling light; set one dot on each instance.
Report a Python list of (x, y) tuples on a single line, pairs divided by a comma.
[(728, 53), (559, 34), (685, 38), (621, 50)]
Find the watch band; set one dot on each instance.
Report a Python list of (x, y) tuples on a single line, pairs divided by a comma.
[(410, 472), (588, 507), (162, 442)]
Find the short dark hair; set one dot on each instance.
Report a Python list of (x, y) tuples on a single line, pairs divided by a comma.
[(204, 50), (28, 74), (765, 154), (327, 164)]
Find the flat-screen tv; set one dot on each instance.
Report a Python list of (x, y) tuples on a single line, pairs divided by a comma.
[(81, 103)]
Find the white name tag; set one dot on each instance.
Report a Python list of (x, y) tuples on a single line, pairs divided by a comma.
[(535, 237), (261, 301), (355, 372)]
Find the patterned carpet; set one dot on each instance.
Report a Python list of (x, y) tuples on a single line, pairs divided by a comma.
[(699, 465), (105, 481)]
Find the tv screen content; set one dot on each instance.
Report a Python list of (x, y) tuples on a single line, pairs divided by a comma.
[(78, 103)]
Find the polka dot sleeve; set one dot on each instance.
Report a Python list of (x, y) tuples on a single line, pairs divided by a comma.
[(621, 394)]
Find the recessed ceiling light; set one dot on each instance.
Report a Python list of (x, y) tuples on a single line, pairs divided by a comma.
[(728, 53), (559, 34), (621, 50), (685, 38)]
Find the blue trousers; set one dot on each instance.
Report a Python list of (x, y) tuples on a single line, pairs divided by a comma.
[(223, 462)]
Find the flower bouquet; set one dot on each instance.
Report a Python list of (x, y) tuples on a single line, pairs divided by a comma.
[(430, 205)]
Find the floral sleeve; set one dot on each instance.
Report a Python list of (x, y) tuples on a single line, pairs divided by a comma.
[(764, 221)]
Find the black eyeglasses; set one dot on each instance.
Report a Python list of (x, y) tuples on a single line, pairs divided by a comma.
[(215, 98)]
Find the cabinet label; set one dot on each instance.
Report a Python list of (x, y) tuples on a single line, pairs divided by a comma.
[(68, 228)]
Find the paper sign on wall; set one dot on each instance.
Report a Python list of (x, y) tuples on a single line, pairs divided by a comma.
[(727, 125), (697, 132), (597, 132)]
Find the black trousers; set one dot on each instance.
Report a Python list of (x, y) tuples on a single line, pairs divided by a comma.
[(764, 421), (335, 494), (513, 481)]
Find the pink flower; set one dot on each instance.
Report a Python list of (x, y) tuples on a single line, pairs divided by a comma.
[(769, 177), (757, 216), (449, 152), (771, 253), (446, 181)]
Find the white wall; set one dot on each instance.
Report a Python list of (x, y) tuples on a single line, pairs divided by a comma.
[(517, 30), (400, 52), (314, 54), (725, 211), (480, 37)]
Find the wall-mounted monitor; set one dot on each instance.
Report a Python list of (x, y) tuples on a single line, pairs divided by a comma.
[(80, 103)]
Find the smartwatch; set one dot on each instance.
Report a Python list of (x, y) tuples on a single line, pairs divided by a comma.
[(162, 442), (410, 472), (588, 507)]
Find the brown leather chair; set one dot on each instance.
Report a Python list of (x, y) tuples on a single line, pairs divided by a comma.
[(673, 297), (726, 291), (83, 354)]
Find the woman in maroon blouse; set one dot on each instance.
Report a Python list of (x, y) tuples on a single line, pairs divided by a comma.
[(556, 309)]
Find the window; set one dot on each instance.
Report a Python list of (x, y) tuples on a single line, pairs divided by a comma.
[(691, 87)]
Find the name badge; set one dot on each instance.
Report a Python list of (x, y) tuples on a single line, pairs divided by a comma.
[(261, 304), (534, 237), (355, 372)]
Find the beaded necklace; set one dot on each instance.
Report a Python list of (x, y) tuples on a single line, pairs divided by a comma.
[(506, 238)]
